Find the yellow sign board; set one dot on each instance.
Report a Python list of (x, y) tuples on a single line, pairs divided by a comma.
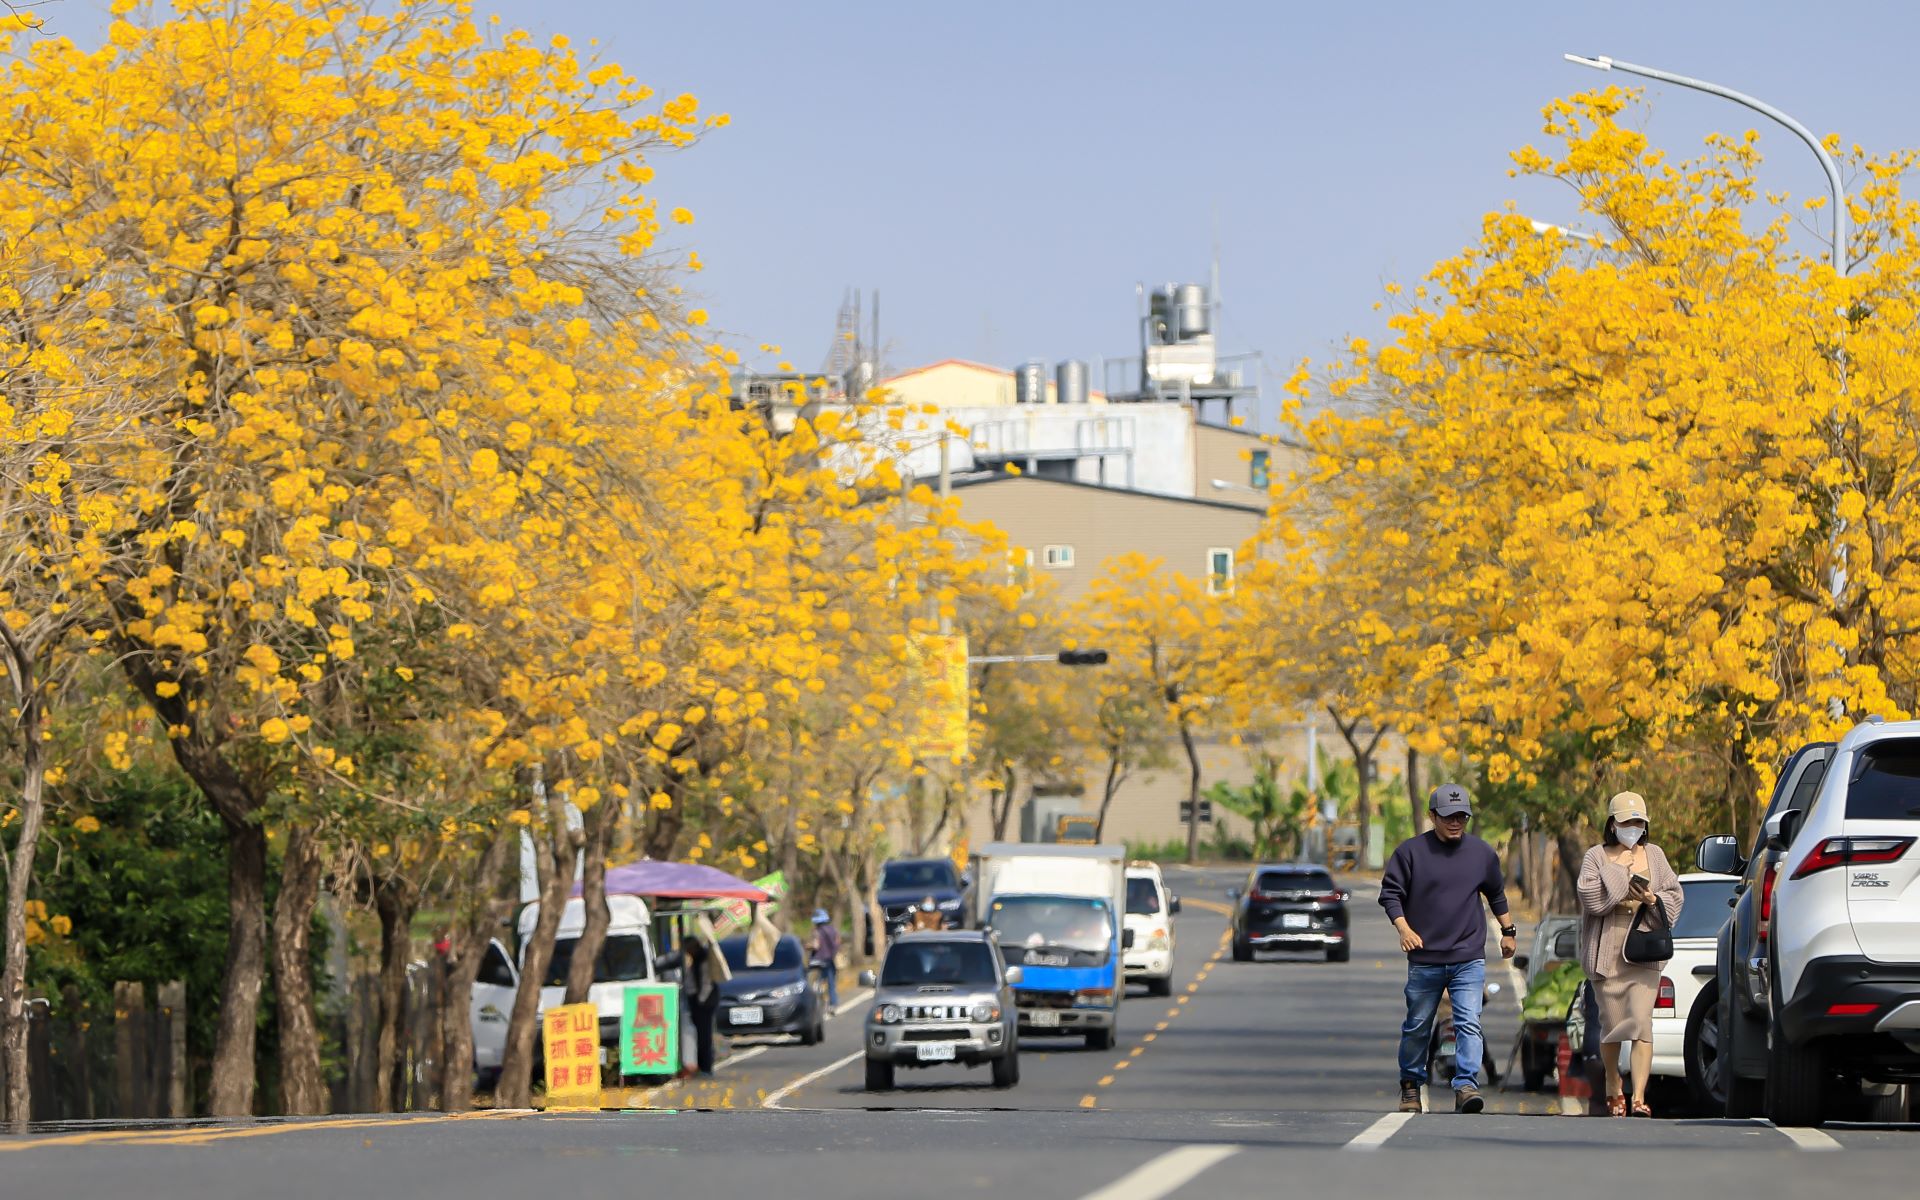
[(571, 1038), (939, 666)]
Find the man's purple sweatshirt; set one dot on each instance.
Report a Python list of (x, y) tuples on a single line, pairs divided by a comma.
[(1437, 888)]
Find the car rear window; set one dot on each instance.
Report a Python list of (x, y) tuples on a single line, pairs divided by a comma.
[(1294, 881), (1142, 897), (1705, 909), (1886, 782)]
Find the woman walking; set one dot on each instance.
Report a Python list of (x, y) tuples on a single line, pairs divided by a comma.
[(1629, 898)]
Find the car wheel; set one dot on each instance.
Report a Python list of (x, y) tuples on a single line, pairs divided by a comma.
[(1339, 953), (1006, 1069), (813, 1033), (879, 1075), (1241, 951), (1702, 1048), (1796, 1082), (1102, 1039)]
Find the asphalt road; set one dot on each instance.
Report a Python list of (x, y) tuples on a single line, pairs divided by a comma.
[(1274, 1077)]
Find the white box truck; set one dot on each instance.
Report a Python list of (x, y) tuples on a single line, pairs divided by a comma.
[(1057, 913)]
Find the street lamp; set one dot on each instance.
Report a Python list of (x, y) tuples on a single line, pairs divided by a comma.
[(1839, 235)]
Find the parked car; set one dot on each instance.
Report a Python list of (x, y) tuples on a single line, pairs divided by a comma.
[(905, 882), (1726, 1039), (626, 957), (1705, 907), (777, 998), (1844, 936), (942, 997), (1290, 906), (1149, 917)]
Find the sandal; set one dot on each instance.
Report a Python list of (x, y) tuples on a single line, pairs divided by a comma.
[(1640, 1109), (1616, 1106)]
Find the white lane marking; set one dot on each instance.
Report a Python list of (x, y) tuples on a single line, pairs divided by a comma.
[(1376, 1134), (854, 1001), (1809, 1139), (1163, 1175), (774, 1099)]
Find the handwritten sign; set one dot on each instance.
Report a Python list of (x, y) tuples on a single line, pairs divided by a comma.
[(571, 1034), (650, 1030)]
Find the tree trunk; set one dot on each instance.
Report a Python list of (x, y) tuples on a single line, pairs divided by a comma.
[(395, 900), (1565, 894), (553, 862), (593, 893), (303, 1087), (1001, 802), (1107, 790), (1416, 801), (467, 944), (1363, 767), (231, 1086), (13, 979), (1193, 793)]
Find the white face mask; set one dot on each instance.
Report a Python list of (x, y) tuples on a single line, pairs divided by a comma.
[(1628, 835)]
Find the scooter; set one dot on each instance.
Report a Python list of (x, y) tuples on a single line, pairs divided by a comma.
[(1442, 1050)]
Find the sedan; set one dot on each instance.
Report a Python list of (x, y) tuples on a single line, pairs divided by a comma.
[(1294, 906)]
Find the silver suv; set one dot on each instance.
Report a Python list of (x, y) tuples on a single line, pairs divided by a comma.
[(942, 997)]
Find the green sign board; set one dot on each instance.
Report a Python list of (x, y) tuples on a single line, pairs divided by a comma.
[(650, 1029)]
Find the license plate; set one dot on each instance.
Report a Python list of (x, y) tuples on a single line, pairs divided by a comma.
[(1044, 1019), (936, 1051), (603, 1056), (1293, 920), (750, 1015)]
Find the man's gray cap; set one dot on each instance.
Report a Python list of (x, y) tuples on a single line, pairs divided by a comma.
[(1449, 799)]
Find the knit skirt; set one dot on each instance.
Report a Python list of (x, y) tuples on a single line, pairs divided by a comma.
[(1626, 1002)]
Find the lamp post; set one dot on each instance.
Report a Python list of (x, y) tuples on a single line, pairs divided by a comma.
[(1837, 575)]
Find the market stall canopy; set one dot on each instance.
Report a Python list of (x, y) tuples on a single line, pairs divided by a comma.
[(677, 881)]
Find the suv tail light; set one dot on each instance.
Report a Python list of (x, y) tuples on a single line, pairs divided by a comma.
[(1329, 898), (1664, 998), (1845, 851), (1766, 899)]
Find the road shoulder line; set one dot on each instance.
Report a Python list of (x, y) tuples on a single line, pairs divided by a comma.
[(1375, 1135), (1163, 1175), (773, 1100)]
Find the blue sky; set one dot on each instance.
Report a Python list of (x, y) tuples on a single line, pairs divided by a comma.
[(1005, 173)]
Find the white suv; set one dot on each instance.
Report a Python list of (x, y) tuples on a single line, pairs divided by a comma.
[(1150, 908), (1845, 935)]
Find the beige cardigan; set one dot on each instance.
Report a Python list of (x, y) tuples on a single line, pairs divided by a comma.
[(1603, 885)]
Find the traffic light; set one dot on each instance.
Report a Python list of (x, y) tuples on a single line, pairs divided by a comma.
[(1083, 658)]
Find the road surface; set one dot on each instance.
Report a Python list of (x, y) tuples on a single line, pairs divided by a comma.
[(1271, 1078)]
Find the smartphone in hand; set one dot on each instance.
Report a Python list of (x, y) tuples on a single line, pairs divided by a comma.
[(1640, 881)]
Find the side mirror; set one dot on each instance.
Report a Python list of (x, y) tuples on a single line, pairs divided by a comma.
[(1520, 962), (1718, 855), (1015, 975), (1173, 905), (868, 979), (1781, 828), (1126, 939)]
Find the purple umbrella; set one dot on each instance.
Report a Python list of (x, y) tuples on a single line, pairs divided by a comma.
[(677, 881)]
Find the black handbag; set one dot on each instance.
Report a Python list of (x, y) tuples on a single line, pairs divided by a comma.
[(1650, 945)]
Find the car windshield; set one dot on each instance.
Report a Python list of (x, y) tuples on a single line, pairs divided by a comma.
[(787, 955), (1068, 922), (1886, 782), (627, 956), (1143, 898), (903, 875), (914, 964), (1294, 881), (1705, 909)]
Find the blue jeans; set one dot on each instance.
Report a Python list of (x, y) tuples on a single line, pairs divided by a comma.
[(832, 971), (1464, 982)]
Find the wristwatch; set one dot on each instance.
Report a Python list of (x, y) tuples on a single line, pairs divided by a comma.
[(1509, 931)]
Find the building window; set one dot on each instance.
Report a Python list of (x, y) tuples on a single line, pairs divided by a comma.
[(1019, 566), (1219, 571), (1057, 557), (1262, 464)]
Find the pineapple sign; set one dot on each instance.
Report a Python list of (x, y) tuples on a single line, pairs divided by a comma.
[(650, 1030)]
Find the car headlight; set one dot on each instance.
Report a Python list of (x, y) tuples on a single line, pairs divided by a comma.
[(888, 1014), (1093, 996), (984, 1012), (785, 990), (1159, 941)]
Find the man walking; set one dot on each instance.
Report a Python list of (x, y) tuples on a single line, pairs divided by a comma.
[(1431, 891)]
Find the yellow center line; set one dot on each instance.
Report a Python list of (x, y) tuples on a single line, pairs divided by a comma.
[(1149, 1037), (178, 1136), (1104, 1081), (1137, 1051), (1122, 1065), (1088, 1101), (1181, 1000)]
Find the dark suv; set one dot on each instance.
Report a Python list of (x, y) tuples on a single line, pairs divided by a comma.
[(1290, 906), (1726, 1040), (906, 882)]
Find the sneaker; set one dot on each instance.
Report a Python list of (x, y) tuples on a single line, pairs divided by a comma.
[(1409, 1096), (1467, 1100)]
